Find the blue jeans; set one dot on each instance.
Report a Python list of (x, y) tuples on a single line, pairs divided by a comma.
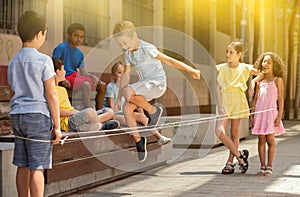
[(28, 153)]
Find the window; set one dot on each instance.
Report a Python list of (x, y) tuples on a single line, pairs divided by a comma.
[(93, 15), (11, 10), (140, 12)]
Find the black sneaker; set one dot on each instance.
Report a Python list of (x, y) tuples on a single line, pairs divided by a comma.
[(111, 124), (142, 150), (154, 118)]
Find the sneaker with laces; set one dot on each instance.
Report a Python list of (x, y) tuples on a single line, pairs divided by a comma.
[(164, 140), (142, 150), (111, 124), (154, 118)]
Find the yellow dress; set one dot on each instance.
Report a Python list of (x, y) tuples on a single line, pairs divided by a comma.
[(233, 87), (64, 103)]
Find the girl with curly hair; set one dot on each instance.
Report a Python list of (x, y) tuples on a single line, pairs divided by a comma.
[(268, 102)]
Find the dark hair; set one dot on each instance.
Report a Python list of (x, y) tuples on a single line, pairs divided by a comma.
[(115, 66), (239, 47), (75, 26), (279, 68), (29, 24), (57, 63)]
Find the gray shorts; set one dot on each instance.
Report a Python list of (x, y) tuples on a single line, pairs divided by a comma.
[(28, 153), (79, 118), (150, 89)]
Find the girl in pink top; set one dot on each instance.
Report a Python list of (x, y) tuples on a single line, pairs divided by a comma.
[(268, 104)]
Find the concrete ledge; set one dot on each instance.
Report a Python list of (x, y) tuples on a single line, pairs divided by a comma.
[(8, 170)]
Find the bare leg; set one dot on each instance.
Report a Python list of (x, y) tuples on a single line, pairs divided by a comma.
[(141, 118), (91, 115), (128, 109), (37, 183), (86, 98), (220, 132), (262, 149), (22, 181), (138, 100), (101, 89), (106, 116), (235, 136), (121, 119), (272, 148)]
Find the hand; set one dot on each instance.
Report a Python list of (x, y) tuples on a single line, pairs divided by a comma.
[(277, 122), (117, 106), (56, 133), (66, 83), (221, 111), (196, 74), (251, 121), (95, 80), (251, 88)]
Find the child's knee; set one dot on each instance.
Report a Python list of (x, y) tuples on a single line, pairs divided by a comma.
[(91, 115), (220, 131), (86, 85), (101, 86), (110, 113)]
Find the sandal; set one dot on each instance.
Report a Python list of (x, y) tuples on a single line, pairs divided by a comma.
[(262, 170), (244, 156), (268, 170), (228, 169)]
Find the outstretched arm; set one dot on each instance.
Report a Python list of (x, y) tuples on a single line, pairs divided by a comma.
[(178, 64)]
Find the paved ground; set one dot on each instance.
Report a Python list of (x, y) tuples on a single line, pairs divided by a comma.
[(199, 175)]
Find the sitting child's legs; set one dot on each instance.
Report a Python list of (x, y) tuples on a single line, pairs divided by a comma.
[(85, 120), (101, 89), (83, 83), (86, 98), (105, 114)]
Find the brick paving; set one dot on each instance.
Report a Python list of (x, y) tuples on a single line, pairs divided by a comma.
[(198, 174)]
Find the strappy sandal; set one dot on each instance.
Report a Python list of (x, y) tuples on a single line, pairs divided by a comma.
[(268, 170), (228, 169), (244, 156), (262, 170)]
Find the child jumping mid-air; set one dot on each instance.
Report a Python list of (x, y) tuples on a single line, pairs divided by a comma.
[(112, 92), (147, 60), (268, 103)]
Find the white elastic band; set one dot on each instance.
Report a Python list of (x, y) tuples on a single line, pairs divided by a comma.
[(140, 129)]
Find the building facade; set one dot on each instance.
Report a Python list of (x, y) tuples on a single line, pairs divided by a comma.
[(202, 31)]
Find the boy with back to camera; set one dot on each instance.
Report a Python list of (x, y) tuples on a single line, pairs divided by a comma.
[(147, 60), (34, 106), (73, 59)]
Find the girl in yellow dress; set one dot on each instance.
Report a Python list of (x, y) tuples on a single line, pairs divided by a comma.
[(232, 104)]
